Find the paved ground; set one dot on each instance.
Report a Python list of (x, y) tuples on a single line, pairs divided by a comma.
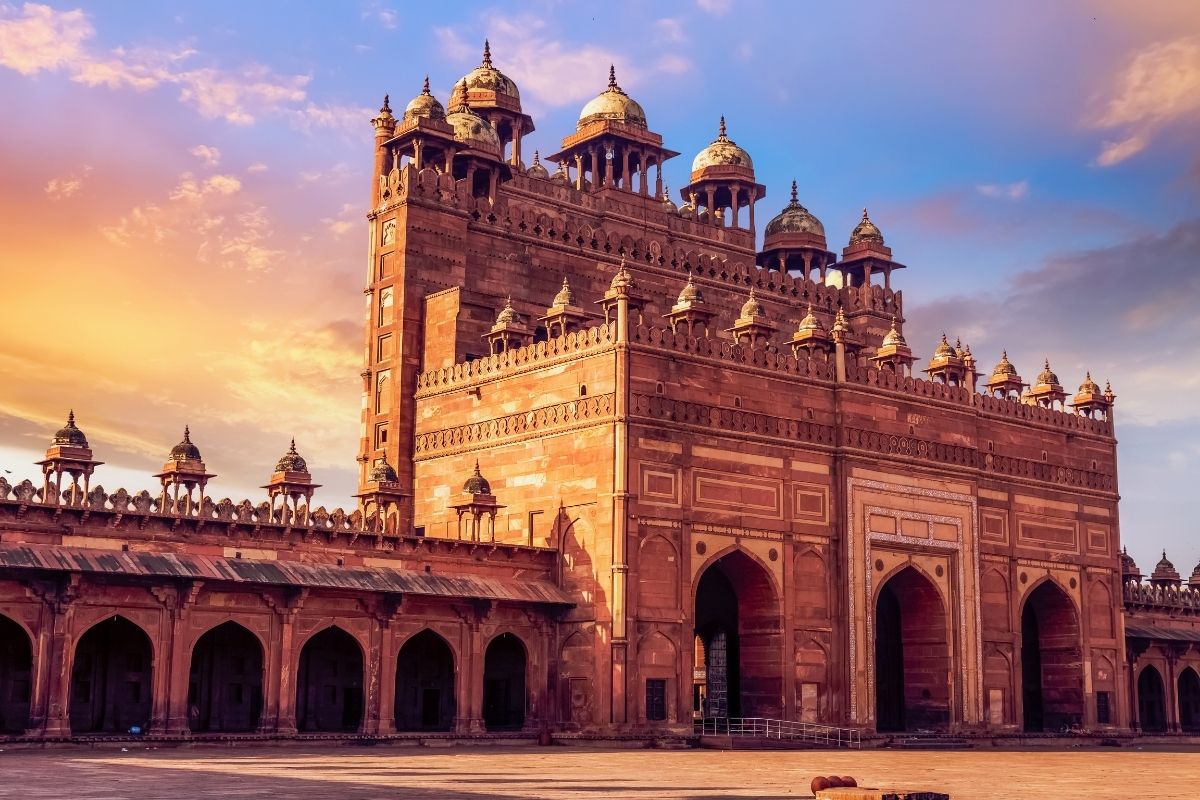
[(348, 773)]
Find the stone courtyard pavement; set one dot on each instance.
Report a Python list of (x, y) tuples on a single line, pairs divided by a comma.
[(355, 773)]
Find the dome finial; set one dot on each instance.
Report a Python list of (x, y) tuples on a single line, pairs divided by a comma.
[(386, 106), (487, 53), (187, 434), (71, 417), (612, 76), (865, 217), (721, 129), (795, 196), (425, 88)]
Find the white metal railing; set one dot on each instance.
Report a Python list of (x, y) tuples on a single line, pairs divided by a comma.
[(781, 729)]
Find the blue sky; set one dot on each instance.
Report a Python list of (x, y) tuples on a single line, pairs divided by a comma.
[(185, 186)]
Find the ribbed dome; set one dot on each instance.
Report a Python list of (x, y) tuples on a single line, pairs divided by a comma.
[(383, 472), (1129, 567), (565, 296), (1004, 366), (477, 484), (690, 293), (722, 152), (794, 218), (752, 308), (810, 323), (866, 231), (1046, 377), (485, 76), (560, 174), (424, 105), (613, 104), (469, 127), (1089, 386), (508, 315), (1164, 572), (69, 435), (185, 450), (894, 337), (668, 205), (291, 461), (944, 349), (537, 170), (622, 279)]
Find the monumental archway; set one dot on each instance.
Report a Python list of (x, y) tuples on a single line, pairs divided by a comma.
[(111, 678), (912, 655), (1051, 668)]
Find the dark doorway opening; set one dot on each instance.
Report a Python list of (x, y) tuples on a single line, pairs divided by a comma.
[(1152, 701), (912, 655), (1051, 670), (425, 684), (329, 684), (225, 683), (16, 677), (1189, 700), (111, 679), (737, 620), (504, 684)]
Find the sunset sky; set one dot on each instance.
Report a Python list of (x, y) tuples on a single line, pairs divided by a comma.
[(183, 189)]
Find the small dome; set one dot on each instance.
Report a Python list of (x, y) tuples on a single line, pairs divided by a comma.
[(469, 127), (810, 323), (69, 435), (752, 308), (613, 104), (185, 450), (508, 315), (1194, 579), (894, 337), (866, 231), (560, 174), (723, 152), (668, 205), (945, 350), (487, 77), (291, 461), (690, 293), (1164, 572), (1004, 366), (1046, 377), (1089, 386), (382, 472), (477, 484), (794, 218), (565, 296), (424, 105), (622, 279), (537, 170), (1129, 568)]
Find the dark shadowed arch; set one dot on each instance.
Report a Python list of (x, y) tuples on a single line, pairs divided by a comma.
[(1051, 665), (111, 678), (1152, 700), (425, 684), (329, 683), (1189, 700), (225, 681), (912, 655), (504, 683), (16, 676)]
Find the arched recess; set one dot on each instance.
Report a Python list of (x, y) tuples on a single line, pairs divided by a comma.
[(504, 701), (811, 591), (1051, 663), (575, 539), (997, 681), (812, 675), (329, 682), (111, 678), (658, 574), (425, 698), (1152, 700), (225, 681), (912, 654), (1189, 700), (993, 601), (1100, 611), (658, 663), (576, 664), (16, 676), (737, 617)]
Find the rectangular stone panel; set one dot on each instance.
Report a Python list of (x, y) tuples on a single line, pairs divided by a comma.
[(722, 491), (810, 502), (1052, 534), (659, 485), (995, 527)]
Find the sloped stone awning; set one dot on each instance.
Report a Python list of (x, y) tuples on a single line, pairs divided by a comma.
[(53, 558), (1148, 631)]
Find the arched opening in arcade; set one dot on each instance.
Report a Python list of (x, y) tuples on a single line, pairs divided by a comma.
[(225, 682), (111, 679), (1152, 700), (329, 683), (16, 677), (425, 684), (1189, 700), (912, 655), (1051, 666), (737, 620), (504, 684)]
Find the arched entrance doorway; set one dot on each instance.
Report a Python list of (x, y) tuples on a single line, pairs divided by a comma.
[(737, 620), (912, 655), (1189, 700), (225, 682), (16, 676), (1152, 701), (329, 683), (111, 679), (504, 684), (1051, 670), (425, 684)]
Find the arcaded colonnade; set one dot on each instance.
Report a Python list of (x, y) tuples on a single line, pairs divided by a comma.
[(180, 659)]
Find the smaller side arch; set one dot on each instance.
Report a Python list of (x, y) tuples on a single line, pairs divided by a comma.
[(330, 681), (505, 678)]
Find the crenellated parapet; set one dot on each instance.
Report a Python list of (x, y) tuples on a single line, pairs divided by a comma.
[(1151, 597)]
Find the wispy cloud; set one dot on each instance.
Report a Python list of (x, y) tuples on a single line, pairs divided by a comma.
[(1009, 191), (1159, 86), (715, 7), (384, 16), (669, 30), (211, 156), (68, 185)]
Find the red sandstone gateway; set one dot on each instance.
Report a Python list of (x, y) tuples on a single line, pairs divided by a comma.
[(699, 482)]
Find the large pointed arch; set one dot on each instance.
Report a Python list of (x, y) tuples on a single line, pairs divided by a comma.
[(425, 683), (913, 665), (112, 676), (1051, 660), (225, 680), (1152, 700), (329, 682), (16, 676)]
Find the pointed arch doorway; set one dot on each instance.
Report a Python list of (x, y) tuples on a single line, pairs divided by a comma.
[(912, 655)]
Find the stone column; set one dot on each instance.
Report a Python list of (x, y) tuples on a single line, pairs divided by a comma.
[(49, 708)]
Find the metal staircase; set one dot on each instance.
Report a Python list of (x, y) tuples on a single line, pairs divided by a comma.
[(779, 730)]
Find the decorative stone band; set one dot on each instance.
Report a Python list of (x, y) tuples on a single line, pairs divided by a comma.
[(1145, 594), (514, 427)]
